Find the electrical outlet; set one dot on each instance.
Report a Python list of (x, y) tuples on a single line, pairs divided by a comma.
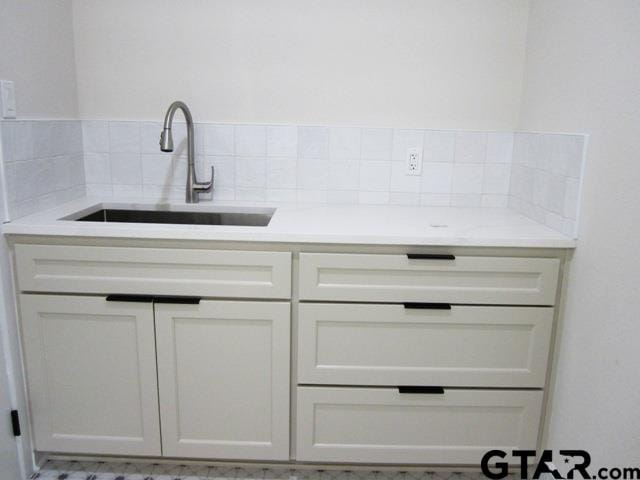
[(414, 161), (8, 99)]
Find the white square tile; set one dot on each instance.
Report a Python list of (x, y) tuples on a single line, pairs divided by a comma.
[(102, 190), (344, 143), (467, 179), (496, 178), (401, 182), (471, 147), (251, 140), (250, 172), (128, 191), (377, 143), (375, 176), (344, 175), (522, 182), (282, 195), (342, 197), (150, 137), (126, 168), (95, 136), (124, 137), (157, 169), (218, 139), (245, 194), (435, 199), (312, 175), (541, 186), (311, 196), (373, 198), (566, 156), (17, 141), (221, 194), (499, 147), (466, 200), (571, 199), (437, 177), (555, 196), (404, 198), (97, 168), (281, 173), (439, 146), (494, 201), (224, 170), (405, 139), (282, 141), (313, 142)]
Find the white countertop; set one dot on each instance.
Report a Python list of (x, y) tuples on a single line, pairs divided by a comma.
[(334, 224)]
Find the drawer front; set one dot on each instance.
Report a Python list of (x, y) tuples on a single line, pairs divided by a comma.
[(156, 271), (467, 346), (396, 278), (384, 426)]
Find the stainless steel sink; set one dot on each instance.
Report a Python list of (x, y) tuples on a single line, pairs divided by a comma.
[(244, 218)]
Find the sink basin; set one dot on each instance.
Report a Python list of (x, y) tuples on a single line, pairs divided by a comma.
[(244, 218)]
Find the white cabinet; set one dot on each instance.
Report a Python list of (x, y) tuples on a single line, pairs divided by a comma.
[(91, 374), (381, 425), (223, 371)]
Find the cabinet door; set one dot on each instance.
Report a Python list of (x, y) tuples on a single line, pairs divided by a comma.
[(223, 372), (91, 373)]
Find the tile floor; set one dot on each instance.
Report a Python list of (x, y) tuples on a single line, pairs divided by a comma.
[(75, 470)]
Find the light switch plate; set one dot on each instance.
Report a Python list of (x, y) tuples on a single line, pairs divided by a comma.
[(8, 99)]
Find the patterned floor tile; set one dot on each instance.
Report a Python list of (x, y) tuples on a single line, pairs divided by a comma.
[(78, 470)]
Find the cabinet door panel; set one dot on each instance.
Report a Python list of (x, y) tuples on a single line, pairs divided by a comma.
[(91, 374), (224, 379)]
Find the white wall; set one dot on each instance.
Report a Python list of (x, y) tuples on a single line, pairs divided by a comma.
[(36, 52), (402, 63), (583, 74)]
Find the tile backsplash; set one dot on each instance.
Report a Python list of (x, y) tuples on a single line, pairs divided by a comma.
[(536, 174), (43, 164), (279, 163), (546, 179)]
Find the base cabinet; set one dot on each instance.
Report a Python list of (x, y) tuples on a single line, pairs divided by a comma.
[(104, 375), (223, 372), (91, 371)]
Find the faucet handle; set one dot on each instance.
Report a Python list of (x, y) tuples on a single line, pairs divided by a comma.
[(206, 186)]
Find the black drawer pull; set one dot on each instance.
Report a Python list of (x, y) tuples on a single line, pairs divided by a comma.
[(430, 256), (428, 306), (428, 390), (130, 298), (179, 300)]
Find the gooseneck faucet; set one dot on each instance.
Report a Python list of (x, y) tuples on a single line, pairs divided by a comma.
[(194, 188)]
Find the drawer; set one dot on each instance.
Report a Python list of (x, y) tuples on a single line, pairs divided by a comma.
[(157, 271), (397, 278), (467, 346), (381, 425)]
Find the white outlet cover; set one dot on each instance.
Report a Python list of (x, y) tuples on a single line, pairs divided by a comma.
[(8, 99), (414, 161)]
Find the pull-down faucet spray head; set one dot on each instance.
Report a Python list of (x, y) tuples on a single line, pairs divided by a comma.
[(166, 140)]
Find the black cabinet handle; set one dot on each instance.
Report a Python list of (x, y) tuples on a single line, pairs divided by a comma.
[(179, 300), (430, 256), (428, 306), (423, 390), (130, 298)]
